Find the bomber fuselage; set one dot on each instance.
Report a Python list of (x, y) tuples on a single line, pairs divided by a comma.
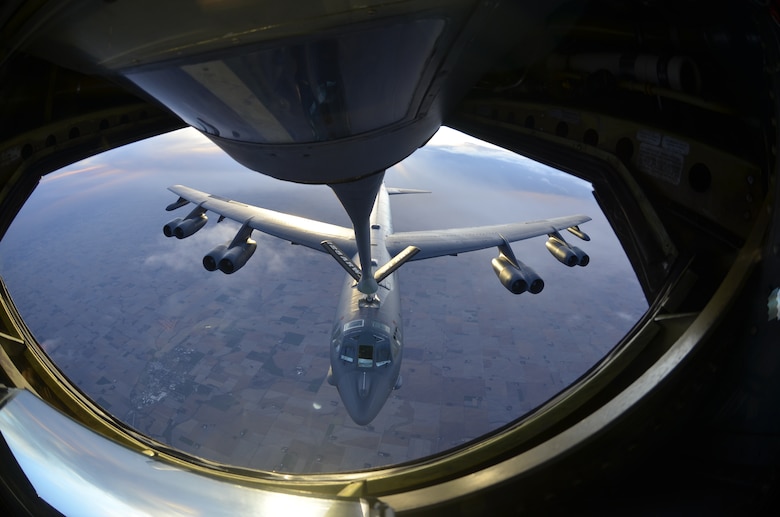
[(367, 341)]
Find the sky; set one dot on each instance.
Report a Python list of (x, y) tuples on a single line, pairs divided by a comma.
[(231, 367)]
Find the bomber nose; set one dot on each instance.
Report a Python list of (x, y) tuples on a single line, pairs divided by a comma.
[(362, 396)]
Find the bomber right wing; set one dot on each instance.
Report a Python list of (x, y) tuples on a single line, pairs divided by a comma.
[(438, 243), (511, 272)]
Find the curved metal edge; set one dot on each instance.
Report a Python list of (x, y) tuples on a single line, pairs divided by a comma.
[(78, 471), (600, 423)]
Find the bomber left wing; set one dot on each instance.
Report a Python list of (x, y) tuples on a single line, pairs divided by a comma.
[(292, 228), (438, 243)]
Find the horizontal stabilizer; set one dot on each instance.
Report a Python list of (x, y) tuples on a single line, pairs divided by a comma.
[(393, 191), (345, 262), (395, 262)]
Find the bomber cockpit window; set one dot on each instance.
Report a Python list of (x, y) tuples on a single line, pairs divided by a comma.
[(383, 354), (365, 356), (381, 326), (348, 354), (353, 325)]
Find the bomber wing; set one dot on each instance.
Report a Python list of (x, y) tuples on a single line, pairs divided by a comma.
[(438, 243), (297, 230)]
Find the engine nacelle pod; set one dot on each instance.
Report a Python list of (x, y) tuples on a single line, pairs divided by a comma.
[(171, 226), (235, 257), (211, 260), (181, 228), (562, 252), (517, 280), (583, 259), (190, 226)]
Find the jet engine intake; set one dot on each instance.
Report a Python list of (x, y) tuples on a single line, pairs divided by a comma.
[(236, 256), (171, 225), (211, 260), (231, 256), (582, 257), (182, 228), (562, 252), (517, 279)]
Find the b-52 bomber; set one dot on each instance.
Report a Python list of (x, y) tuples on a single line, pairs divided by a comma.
[(367, 338)]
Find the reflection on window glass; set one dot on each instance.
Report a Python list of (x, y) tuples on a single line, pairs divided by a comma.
[(381, 326), (383, 354), (353, 325), (233, 368), (348, 354), (365, 356)]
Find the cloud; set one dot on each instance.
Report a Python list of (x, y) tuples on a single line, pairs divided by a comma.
[(272, 257), (460, 157), (82, 167), (626, 316), (50, 344), (178, 254)]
